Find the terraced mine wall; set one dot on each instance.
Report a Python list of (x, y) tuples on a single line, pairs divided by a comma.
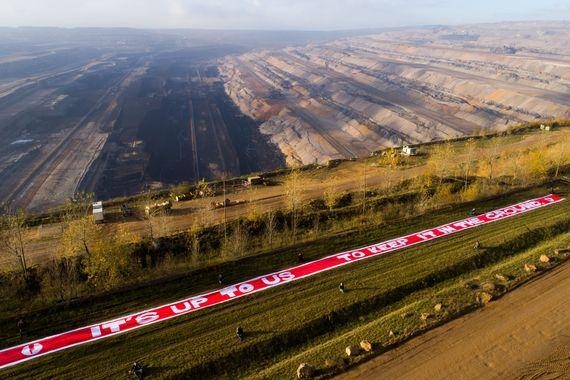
[(353, 96)]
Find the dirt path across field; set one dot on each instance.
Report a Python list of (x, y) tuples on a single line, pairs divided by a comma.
[(524, 335)]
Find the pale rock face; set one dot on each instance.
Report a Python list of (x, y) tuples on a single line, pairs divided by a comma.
[(356, 95)]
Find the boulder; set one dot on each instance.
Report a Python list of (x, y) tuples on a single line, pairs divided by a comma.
[(366, 345), (530, 268), (305, 371), (488, 286), (425, 316), (438, 307), (352, 350), (331, 363), (484, 298), (500, 277), (544, 259)]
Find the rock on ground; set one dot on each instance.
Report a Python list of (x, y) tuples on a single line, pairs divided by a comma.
[(305, 371), (352, 350), (488, 286), (484, 298), (530, 268), (366, 345), (500, 277)]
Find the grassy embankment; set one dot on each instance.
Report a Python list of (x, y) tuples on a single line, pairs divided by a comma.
[(309, 320)]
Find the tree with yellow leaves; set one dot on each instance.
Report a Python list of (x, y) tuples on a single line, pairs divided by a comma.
[(331, 194), (390, 158), (109, 261), (441, 160), (12, 237), (537, 166), (78, 226), (487, 159)]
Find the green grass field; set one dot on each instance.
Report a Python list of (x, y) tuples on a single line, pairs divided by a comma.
[(307, 320)]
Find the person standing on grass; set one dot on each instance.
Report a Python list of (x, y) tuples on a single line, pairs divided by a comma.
[(341, 287), (300, 257), (21, 327), (239, 332), (137, 370), (220, 279)]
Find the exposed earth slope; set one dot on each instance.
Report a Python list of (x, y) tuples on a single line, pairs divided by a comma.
[(354, 95)]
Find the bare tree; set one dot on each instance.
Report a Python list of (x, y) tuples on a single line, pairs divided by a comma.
[(225, 221), (13, 228), (441, 160), (154, 211), (364, 185), (561, 155), (468, 163), (270, 226), (194, 243), (237, 242), (316, 224), (293, 191), (488, 158)]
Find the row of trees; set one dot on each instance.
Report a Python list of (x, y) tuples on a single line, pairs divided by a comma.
[(102, 256), (492, 162)]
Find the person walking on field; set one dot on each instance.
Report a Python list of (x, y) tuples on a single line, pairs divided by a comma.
[(341, 287), (220, 279)]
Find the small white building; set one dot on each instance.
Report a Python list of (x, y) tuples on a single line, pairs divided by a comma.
[(409, 151), (98, 212)]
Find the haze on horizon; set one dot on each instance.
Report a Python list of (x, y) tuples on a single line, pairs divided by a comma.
[(273, 14)]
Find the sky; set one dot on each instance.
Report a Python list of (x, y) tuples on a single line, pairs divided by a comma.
[(273, 14)]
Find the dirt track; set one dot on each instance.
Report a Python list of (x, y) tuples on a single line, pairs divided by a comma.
[(43, 243), (525, 335)]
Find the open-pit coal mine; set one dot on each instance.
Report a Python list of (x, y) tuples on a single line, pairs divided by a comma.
[(351, 96), (116, 111)]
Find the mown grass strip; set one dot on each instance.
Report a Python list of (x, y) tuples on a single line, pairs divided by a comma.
[(204, 344)]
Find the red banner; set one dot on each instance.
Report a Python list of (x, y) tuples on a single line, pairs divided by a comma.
[(83, 335)]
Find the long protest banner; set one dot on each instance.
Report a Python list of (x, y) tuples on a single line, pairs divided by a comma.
[(87, 334)]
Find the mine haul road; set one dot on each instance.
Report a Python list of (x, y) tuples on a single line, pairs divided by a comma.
[(524, 335)]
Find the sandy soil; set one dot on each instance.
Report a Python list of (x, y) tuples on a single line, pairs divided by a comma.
[(525, 335)]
